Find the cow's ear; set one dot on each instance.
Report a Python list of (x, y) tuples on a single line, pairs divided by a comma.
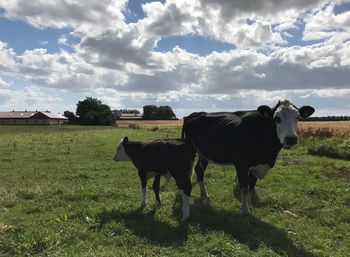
[(125, 140), (306, 111), (265, 110)]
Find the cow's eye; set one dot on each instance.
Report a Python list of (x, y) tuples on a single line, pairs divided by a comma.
[(278, 119)]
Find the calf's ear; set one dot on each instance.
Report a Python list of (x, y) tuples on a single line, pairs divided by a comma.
[(265, 110), (306, 111), (125, 140)]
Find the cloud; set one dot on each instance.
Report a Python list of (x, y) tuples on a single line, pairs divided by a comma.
[(4, 84), (29, 98), (325, 24), (87, 17), (118, 61), (7, 63)]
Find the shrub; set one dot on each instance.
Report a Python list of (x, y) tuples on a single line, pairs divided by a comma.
[(333, 147), (133, 126)]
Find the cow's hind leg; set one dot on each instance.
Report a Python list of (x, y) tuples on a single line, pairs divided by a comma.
[(252, 183), (200, 168), (243, 179), (156, 187), (143, 179)]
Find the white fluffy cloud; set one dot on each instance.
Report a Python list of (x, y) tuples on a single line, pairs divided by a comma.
[(4, 83), (324, 24), (87, 17), (30, 98)]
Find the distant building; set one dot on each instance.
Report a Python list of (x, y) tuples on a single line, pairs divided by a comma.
[(128, 116), (31, 118)]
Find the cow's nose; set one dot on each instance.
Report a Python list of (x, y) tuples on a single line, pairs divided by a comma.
[(293, 140)]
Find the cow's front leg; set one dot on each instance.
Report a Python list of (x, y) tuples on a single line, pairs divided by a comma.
[(143, 179), (156, 187), (243, 180)]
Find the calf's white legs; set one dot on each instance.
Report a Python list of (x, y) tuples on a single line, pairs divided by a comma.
[(185, 206)]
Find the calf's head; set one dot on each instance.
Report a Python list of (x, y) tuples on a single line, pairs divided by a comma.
[(120, 153), (286, 115)]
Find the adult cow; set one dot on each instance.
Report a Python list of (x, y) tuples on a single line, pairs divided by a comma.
[(250, 140)]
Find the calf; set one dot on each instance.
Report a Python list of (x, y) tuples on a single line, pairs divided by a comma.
[(161, 157)]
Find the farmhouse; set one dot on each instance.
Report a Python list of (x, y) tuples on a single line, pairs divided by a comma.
[(31, 118)]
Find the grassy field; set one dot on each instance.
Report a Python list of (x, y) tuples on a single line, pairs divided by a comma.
[(62, 195)]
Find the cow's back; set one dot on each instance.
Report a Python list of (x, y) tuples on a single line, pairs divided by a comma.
[(229, 137)]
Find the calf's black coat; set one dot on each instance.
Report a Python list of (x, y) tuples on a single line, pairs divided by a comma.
[(175, 156)]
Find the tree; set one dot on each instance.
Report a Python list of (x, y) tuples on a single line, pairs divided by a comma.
[(165, 113), (150, 112), (91, 111), (72, 119), (153, 112)]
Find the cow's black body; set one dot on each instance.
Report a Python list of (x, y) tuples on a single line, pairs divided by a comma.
[(244, 138), (175, 156), (247, 139)]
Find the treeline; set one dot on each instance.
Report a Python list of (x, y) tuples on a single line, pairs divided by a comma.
[(327, 118), (153, 112), (92, 111)]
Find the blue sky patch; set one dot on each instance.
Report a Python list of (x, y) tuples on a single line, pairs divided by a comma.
[(134, 10), (341, 8), (21, 36)]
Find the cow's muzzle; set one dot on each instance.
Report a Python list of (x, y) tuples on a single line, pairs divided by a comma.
[(289, 142)]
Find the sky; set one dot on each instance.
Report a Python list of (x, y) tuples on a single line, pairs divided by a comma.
[(194, 55)]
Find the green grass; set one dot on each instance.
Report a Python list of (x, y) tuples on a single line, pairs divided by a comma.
[(62, 195), (334, 147)]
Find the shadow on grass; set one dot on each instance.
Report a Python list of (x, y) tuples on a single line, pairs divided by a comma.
[(249, 231), (246, 230), (145, 225)]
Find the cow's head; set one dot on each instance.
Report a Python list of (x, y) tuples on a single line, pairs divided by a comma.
[(120, 153), (286, 115)]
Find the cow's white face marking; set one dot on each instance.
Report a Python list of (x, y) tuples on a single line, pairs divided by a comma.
[(286, 119), (260, 170), (120, 154)]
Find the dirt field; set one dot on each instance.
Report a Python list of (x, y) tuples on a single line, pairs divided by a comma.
[(149, 123), (325, 128)]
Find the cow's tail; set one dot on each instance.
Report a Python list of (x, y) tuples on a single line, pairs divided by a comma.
[(183, 128)]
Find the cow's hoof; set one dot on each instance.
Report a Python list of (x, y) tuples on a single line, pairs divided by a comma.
[(184, 218), (205, 198), (157, 205), (246, 212)]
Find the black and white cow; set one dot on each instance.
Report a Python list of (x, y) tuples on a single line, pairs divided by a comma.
[(161, 157), (250, 140)]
